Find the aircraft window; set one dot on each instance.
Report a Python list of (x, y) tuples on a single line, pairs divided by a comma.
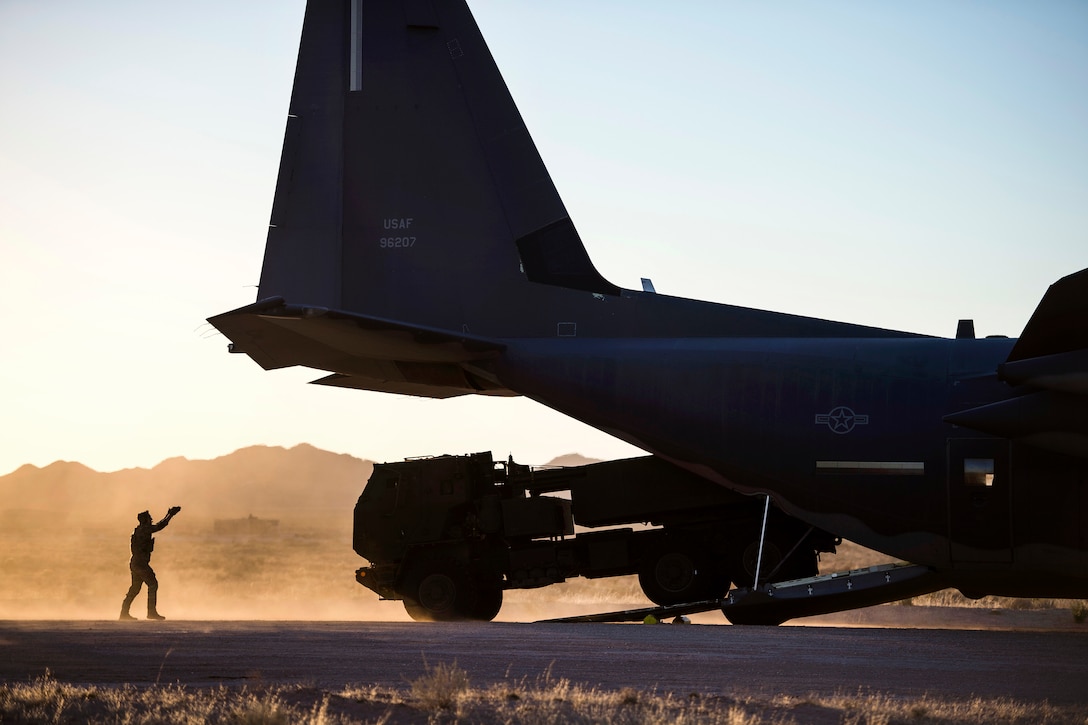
[(978, 472)]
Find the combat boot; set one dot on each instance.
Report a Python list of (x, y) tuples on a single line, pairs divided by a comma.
[(152, 603), (125, 616)]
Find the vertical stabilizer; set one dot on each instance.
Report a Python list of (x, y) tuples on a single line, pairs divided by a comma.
[(406, 169), (302, 253)]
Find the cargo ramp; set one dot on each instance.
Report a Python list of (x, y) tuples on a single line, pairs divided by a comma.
[(775, 603)]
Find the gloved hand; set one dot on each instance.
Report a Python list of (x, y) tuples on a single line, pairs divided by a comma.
[(173, 510)]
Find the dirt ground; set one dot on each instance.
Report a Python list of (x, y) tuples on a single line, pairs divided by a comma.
[(797, 661)]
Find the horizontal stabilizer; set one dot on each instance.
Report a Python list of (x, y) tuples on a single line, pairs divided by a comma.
[(1060, 322), (1045, 419), (1065, 372), (363, 352), (423, 387), (1050, 357)]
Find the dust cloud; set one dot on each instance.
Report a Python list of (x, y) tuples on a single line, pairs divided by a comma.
[(265, 533), (299, 570)]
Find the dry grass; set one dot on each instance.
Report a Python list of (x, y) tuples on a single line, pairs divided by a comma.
[(443, 694), (880, 709), (952, 598), (441, 687), (45, 700)]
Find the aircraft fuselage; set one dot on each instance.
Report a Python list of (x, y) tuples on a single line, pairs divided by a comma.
[(846, 434)]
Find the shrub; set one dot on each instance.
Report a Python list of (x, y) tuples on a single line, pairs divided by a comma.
[(440, 687), (1080, 610)]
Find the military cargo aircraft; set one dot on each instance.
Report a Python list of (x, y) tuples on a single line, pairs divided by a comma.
[(418, 246)]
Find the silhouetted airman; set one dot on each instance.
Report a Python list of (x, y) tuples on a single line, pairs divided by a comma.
[(140, 563)]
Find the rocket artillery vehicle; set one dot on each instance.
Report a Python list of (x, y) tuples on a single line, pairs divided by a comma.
[(448, 535)]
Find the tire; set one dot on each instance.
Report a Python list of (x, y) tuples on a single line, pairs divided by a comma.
[(438, 591), (749, 558), (802, 562), (677, 577), (488, 598), (446, 590), (416, 612)]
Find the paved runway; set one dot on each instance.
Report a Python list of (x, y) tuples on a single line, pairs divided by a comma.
[(1025, 665)]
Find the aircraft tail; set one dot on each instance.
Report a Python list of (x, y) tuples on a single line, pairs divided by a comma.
[(415, 227), (408, 175), (409, 194)]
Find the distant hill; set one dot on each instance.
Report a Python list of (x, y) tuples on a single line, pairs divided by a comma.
[(259, 480), (572, 459), (262, 481)]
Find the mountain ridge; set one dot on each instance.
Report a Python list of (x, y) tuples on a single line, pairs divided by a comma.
[(257, 480)]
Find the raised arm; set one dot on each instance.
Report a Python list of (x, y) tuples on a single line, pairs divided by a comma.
[(171, 513)]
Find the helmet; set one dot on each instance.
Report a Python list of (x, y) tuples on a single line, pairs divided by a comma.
[(144, 516)]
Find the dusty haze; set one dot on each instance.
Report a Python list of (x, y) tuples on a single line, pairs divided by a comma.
[(64, 543)]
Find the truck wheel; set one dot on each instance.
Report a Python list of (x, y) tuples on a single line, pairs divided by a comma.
[(802, 562), (447, 590), (675, 577), (439, 591), (488, 598)]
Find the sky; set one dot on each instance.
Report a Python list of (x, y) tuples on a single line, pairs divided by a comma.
[(902, 165)]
